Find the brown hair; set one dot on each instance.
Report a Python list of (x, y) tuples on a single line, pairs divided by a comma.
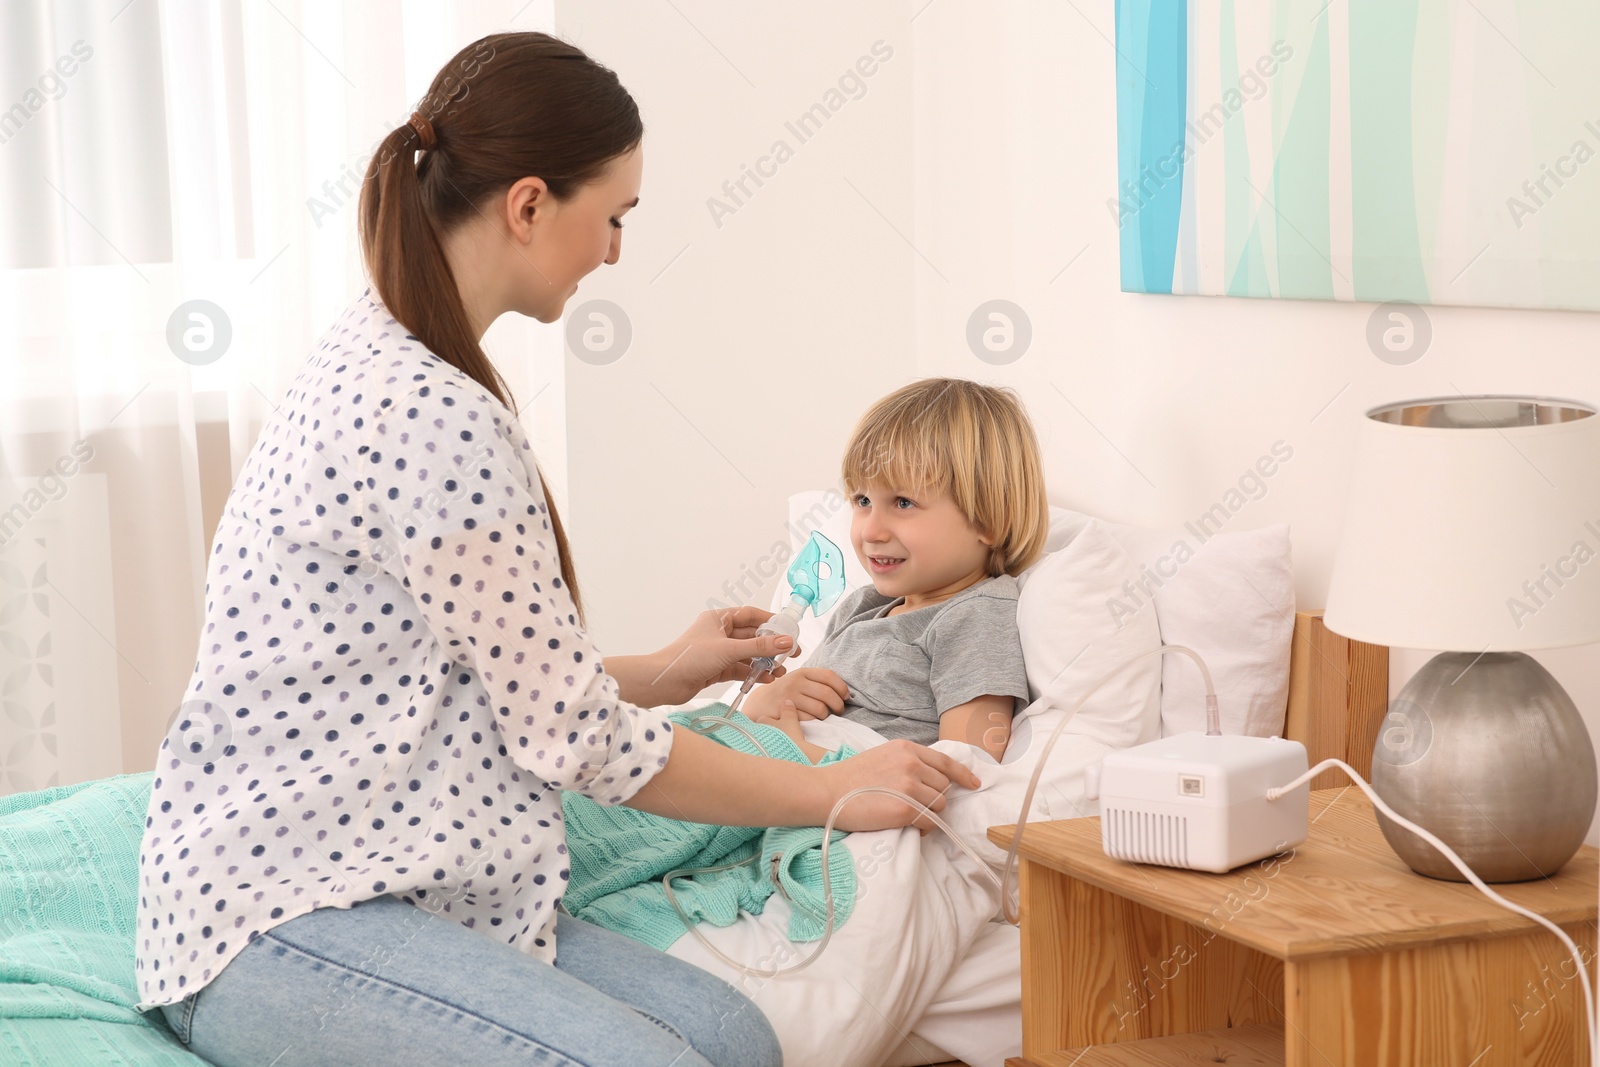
[(506, 107), (969, 441)]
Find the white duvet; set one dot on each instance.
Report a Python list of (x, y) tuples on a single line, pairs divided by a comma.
[(921, 973)]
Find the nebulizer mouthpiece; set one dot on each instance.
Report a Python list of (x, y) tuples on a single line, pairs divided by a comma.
[(816, 581)]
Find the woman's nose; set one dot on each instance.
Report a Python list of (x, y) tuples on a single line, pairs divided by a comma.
[(615, 253)]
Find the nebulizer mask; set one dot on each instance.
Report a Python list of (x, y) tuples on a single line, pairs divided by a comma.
[(816, 581)]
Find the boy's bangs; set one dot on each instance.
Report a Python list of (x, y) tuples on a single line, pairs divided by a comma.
[(900, 461)]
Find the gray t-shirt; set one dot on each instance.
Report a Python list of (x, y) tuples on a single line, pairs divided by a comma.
[(906, 670)]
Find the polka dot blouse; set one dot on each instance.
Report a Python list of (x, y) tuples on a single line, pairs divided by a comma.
[(392, 685)]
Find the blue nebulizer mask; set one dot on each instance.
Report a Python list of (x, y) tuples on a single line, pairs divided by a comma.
[(816, 581)]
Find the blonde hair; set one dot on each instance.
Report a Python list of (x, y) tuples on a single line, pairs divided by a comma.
[(973, 443)]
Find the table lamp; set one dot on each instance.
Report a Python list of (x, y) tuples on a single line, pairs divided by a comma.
[(1473, 528)]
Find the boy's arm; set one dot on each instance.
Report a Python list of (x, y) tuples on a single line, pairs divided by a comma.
[(982, 721), (976, 670)]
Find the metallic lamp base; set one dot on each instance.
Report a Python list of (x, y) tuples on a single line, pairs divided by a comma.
[(1489, 753)]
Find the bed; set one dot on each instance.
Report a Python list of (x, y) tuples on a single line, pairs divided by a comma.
[(922, 973)]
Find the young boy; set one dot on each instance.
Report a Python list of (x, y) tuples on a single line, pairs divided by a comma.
[(948, 506)]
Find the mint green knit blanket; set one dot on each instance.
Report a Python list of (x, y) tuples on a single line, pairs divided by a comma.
[(69, 878), (620, 855)]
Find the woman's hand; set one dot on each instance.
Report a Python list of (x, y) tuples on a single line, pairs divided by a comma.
[(717, 647), (925, 774), (816, 693), (705, 782)]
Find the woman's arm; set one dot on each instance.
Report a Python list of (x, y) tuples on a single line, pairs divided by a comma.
[(705, 782), (638, 679), (983, 721)]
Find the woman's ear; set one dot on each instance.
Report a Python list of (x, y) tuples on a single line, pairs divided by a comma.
[(526, 203)]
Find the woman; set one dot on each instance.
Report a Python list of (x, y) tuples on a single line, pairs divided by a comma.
[(353, 851)]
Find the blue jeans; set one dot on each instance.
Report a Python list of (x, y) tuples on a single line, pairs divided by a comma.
[(386, 982)]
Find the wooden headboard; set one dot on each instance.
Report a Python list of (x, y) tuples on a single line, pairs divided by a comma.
[(1338, 696)]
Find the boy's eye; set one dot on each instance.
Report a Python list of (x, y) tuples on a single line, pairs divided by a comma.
[(863, 501)]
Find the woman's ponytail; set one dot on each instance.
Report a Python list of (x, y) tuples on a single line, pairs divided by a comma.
[(506, 107)]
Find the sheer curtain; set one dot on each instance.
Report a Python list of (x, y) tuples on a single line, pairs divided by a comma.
[(177, 227)]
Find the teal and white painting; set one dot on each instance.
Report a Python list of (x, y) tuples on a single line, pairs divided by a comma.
[(1434, 151)]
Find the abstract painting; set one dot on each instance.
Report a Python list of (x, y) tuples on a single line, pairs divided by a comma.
[(1430, 151)]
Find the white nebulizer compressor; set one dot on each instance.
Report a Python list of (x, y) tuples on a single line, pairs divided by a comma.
[(1200, 801)]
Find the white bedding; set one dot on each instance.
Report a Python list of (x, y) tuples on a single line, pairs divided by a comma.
[(919, 974)]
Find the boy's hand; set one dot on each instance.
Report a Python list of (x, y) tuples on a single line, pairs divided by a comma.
[(816, 692)]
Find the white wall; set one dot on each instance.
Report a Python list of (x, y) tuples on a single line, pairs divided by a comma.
[(988, 142), (756, 344), (1178, 395)]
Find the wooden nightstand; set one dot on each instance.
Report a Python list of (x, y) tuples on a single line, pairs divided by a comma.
[(1334, 955)]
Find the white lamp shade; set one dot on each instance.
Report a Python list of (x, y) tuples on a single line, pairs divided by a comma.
[(1472, 524)]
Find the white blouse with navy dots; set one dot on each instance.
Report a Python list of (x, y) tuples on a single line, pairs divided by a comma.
[(392, 684)]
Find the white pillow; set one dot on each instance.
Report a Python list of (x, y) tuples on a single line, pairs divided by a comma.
[(1070, 641), (1231, 599)]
